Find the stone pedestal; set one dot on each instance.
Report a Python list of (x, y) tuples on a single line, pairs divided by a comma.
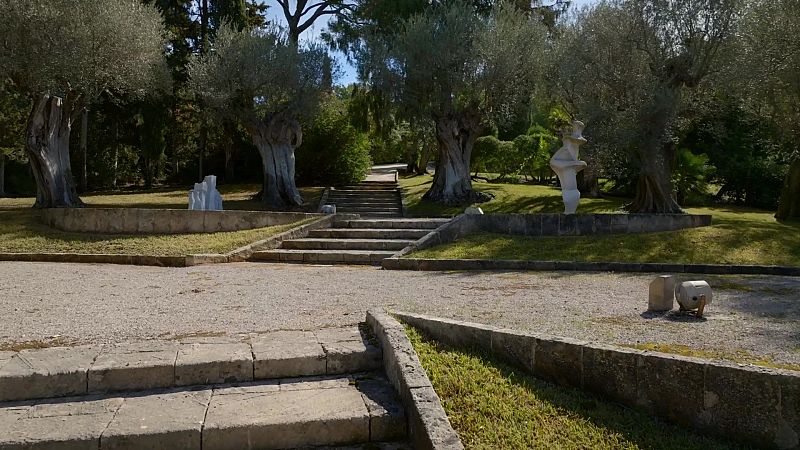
[(662, 294)]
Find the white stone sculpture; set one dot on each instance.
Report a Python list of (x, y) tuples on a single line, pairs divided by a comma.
[(662, 294), (205, 196), (566, 165)]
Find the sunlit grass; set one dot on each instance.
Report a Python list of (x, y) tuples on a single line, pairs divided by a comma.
[(737, 236), (22, 232), (495, 406)]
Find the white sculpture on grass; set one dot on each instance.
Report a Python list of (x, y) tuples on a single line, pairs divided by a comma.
[(205, 196), (566, 165)]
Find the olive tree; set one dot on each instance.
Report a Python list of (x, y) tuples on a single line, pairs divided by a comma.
[(260, 77), (461, 70), (64, 53)]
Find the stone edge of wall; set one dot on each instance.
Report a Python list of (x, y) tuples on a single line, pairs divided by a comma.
[(586, 224), (429, 427), (751, 404), (162, 221), (396, 262), (237, 255)]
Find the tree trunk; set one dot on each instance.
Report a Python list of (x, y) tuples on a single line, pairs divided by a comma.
[(452, 183), (789, 204), (84, 131), (2, 175), (276, 140), (47, 146), (116, 153), (230, 149), (654, 191)]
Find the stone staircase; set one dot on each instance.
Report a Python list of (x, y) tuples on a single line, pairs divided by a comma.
[(359, 241), (280, 390), (368, 199)]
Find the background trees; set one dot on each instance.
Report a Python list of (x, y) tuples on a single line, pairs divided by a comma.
[(262, 79), (62, 54)]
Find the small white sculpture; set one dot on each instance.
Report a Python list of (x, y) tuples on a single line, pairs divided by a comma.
[(205, 196), (566, 165)]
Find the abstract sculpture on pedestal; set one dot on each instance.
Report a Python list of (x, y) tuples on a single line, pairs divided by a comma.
[(205, 196), (566, 165)]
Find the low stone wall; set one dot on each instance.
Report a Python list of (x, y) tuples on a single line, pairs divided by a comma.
[(750, 404), (163, 221), (428, 425), (585, 224)]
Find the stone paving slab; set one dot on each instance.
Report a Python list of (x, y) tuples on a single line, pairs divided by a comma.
[(169, 420), (213, 364), (137, 366), (286, 419), (67, 371), (287, 413), (47, 372), (287, 353)]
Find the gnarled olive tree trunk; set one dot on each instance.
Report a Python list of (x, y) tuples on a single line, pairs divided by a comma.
[(47, 146), (789, 203), (456, 135), (276, 139), (654, 191)]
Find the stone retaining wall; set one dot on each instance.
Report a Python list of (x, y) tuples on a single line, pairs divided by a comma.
[(162, 221), (585, 224), (747, 403)]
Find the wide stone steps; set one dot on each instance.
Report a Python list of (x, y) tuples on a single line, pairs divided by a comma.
[(370, 233), (279, 414), (346, 244), (358, 257), (81, 370), (407, 223)]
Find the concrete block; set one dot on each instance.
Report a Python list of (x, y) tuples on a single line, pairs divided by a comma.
[(167, 420), (47, 372), (317, 382), (550, 224), (352, 356), (671, 387), (147, 221), (211, 363), (559, 360), (662, 294), (74, 423), (287, 354), (602, 223), (619, 223), (585, 224), (734, 393), (146, 365), (429, 426), (286, 419), (514, 347), (387, 418), (788, 433), (567, 225), (610, 372)]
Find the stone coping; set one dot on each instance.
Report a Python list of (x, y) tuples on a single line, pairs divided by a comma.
[(163, 221), (90, 369), (751, 404), (429, 427), (398, 263), (585, 224)]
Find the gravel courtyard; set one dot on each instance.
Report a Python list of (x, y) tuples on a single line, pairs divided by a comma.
[(74, 303)]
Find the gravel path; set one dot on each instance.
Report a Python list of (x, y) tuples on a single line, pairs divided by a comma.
[(107, 303)]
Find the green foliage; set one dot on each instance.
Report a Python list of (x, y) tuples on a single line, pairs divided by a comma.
[(82, 47), (333, 151), (690, 177)]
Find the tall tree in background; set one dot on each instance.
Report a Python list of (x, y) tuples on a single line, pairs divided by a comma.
[(267, 82), (681, 40), (63, 53), (307, 12), (460, 70)]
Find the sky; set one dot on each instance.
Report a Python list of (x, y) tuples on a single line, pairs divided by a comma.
[(347, 72)]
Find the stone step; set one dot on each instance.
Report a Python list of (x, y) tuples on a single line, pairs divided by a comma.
[(366, 211), (373, 194), (360, 257), (422, 223), (279, 414), (365, 201), (81, 370), (364, 190), (375, 215), (346, 244), (369, 233)]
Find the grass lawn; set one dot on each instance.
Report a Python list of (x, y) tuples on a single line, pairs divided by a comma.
[(22, 232), (495, 406), (737, 236)]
